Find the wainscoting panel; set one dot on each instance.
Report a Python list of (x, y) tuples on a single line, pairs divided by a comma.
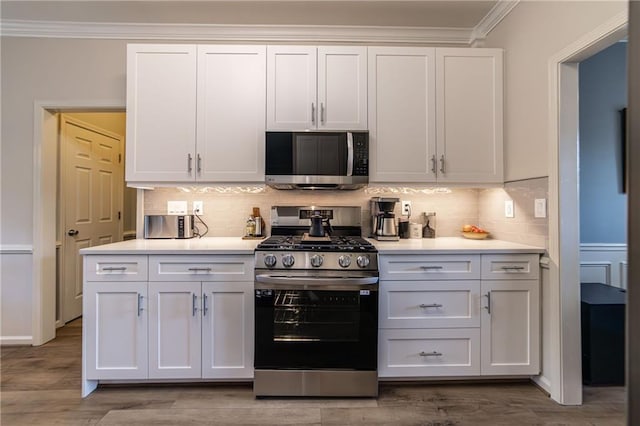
[(604, 263)]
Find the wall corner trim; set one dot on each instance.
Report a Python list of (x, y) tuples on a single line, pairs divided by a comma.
[(491, 19)]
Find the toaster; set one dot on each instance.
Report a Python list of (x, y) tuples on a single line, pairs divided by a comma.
[(168, 226)]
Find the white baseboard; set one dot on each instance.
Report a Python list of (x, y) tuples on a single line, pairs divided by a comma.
[(16, 340), (543, 383)]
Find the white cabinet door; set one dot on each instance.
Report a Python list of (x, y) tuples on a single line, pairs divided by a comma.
[(291, 88), (174, 330), (469, 115), (231, 113), (510, 327), (161, 113), (402, 128), (342, 88), (115, 327), (227, 330)]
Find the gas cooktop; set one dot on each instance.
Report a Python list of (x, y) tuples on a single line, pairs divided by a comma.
[(304, 243)]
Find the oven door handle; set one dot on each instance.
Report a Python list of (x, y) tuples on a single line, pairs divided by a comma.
[(264, 281)]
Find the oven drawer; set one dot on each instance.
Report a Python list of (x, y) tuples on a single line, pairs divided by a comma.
[(511, 267), (429, 304), (115, 268), (201, 268), (430, 267), (429, 353)]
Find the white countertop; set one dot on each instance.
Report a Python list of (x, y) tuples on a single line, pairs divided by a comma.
[(236, 245), (452, 245), (206, 245)]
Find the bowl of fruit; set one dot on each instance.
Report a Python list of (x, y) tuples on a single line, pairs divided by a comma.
[(473, 232)]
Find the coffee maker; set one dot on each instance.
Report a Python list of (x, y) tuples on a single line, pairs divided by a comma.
[(383, 226)]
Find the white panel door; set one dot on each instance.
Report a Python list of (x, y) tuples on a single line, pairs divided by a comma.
[(469, 124), (291, 88), (174, 330), (227, 330), (115, 328), (510, 327), (342, 88), (161, 113), (231, 113), (91, 201), (402, 130)]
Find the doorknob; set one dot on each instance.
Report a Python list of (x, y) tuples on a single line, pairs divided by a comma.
[(73, 232)]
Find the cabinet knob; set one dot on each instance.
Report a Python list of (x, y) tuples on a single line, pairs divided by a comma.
[(73, 232)]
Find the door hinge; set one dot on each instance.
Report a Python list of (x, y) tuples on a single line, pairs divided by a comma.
[(119, 215)]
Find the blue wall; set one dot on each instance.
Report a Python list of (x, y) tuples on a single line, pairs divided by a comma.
[(603, 92)]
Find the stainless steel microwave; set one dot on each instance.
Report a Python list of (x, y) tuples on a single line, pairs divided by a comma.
[(317, 160)]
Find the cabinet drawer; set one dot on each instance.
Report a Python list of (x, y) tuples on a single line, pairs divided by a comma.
[(429, 353), (201, 268), (116, 268), (429, 304), (430, 267), (510, 267)]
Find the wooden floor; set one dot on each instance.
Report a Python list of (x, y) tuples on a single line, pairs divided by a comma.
[(41, 386)]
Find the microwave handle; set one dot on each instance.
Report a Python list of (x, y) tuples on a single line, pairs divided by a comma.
[(349, 154)]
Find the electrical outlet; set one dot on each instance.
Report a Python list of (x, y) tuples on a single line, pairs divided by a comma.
[(508, 209), (198, 207), (176, 207), (540, 207), (406, 208)]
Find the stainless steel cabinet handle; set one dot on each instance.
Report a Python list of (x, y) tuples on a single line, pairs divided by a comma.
[(434, 164), (199, 165), (488, 307), (200, 269), (434, 353), (322, 112), (313, 113), (114, 268), (513, 268), (189, 159), (432, 267), (442, 164), (140, 308), (194, 305), (432, 305), (204, 305)]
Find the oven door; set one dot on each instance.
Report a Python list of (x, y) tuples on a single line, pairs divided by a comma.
[(315, 322)]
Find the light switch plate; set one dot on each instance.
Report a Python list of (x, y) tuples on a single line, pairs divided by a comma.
[(540, 207), (406, 208), (176, 207), (508, 209)]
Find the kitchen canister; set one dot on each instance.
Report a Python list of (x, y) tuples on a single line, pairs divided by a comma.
[(415, 230)]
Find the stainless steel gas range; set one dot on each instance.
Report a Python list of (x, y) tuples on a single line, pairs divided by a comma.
[(316, 306)]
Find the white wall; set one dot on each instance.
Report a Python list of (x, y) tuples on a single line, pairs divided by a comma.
[(531, 34)]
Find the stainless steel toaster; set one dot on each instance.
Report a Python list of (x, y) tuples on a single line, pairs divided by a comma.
[(169, 226)]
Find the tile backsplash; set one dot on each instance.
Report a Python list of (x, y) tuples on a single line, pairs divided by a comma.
[(226, 208)]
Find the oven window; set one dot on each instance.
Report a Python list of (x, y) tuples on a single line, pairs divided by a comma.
[(308, 316)]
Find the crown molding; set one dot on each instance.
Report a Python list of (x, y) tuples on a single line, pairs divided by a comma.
[(491, 19), (244, 33)]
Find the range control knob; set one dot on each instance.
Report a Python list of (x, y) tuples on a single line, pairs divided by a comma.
[(363, 261), (316, 260), (288, 260), (270, 260), (344, 261)]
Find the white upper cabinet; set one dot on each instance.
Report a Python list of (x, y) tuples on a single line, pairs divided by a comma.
[(161, 112), (469, 115), (316, 88), (195, 113), (402, 128), (435, 115), (231, 113)]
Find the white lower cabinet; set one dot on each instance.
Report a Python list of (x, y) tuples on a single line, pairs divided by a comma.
[(483, 322), (115, 330)]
